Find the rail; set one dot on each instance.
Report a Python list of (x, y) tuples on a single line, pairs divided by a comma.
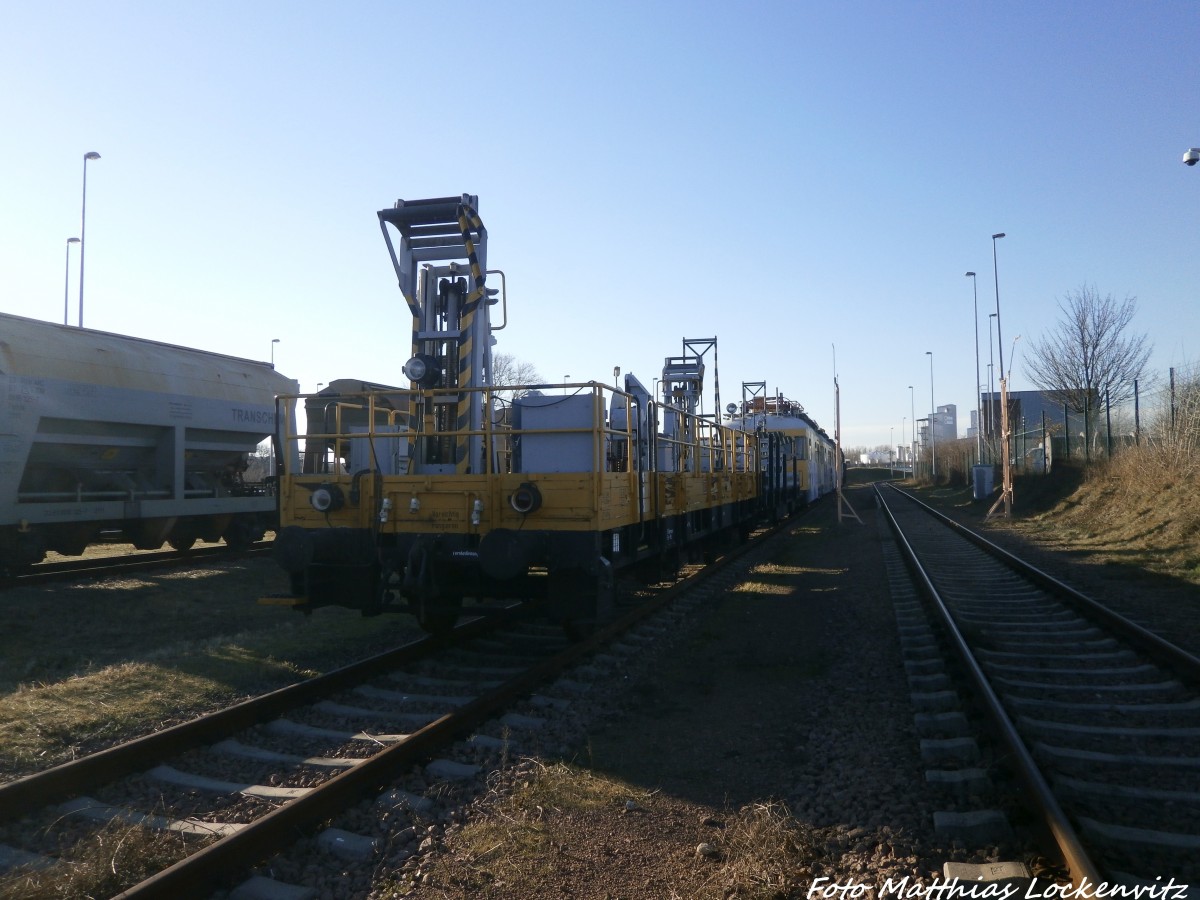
[(1080, 865)]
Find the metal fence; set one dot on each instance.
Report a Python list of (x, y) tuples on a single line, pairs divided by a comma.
[(1163, 414)]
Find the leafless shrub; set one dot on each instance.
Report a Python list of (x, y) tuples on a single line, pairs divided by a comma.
[(1172, 440)]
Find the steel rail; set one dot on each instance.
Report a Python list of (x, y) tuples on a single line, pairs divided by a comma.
[(42, 788), (208, 869), (1161, 650), (1079, 864)]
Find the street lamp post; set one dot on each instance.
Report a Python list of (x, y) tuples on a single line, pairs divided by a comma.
[(978, 404), (912, 402), (67, 277), (932, 420), (92, 154), (274, 341), (903, 431)]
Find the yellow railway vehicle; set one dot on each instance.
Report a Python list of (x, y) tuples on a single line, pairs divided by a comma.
[(417, 498), (812, 454)]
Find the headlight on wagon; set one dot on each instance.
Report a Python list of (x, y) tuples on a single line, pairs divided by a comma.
[(327, 498), (526, 498), (424, 370)]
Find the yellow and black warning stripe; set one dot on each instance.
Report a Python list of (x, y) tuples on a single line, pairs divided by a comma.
[(468, 220)]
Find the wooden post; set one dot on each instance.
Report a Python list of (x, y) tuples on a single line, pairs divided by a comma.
[(1006, 490), (842, 502)]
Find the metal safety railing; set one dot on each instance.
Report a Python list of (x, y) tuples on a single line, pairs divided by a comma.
[(693, 444)]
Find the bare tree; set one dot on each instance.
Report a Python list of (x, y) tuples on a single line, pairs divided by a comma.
[(508, 370), (1089, 350)]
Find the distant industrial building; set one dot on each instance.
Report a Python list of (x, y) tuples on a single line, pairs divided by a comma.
[(945, 425)]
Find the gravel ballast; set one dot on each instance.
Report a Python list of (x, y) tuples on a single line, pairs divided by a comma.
[(769, 745)]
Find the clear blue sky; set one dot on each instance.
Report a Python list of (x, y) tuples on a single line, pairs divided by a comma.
[(785, 176)]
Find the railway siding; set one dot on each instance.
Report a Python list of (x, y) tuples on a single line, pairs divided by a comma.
[(1109, 713)]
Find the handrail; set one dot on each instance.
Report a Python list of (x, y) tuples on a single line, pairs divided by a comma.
[(701, 442)]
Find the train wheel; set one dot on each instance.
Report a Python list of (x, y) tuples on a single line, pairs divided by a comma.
[(182, 544), (670, 563), (389, 594), (27, 550), (240, 535), (582, 601), (20, 554), (436, 609)]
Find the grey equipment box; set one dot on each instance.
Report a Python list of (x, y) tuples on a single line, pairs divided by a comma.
[(555, 452)]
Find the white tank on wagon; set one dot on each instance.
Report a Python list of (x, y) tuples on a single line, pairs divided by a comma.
[(102, 431)]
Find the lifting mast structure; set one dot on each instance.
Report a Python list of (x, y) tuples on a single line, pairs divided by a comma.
[(441, 266)]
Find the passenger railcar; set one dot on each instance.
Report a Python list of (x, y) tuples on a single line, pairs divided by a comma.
[(814, 454), (415, 498), (107, 433)]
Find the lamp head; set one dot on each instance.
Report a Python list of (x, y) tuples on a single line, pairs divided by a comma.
[(969, 275), (72, 240), (424, 370), (998, 235), (91, 154)]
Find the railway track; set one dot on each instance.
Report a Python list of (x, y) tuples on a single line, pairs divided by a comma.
[(124, 563), (1099, 717), (245, 782)]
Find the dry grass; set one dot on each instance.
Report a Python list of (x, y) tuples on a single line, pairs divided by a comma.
[(1140, 507), (767, 853), (34, 722), (87, 665), (117, 857)]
